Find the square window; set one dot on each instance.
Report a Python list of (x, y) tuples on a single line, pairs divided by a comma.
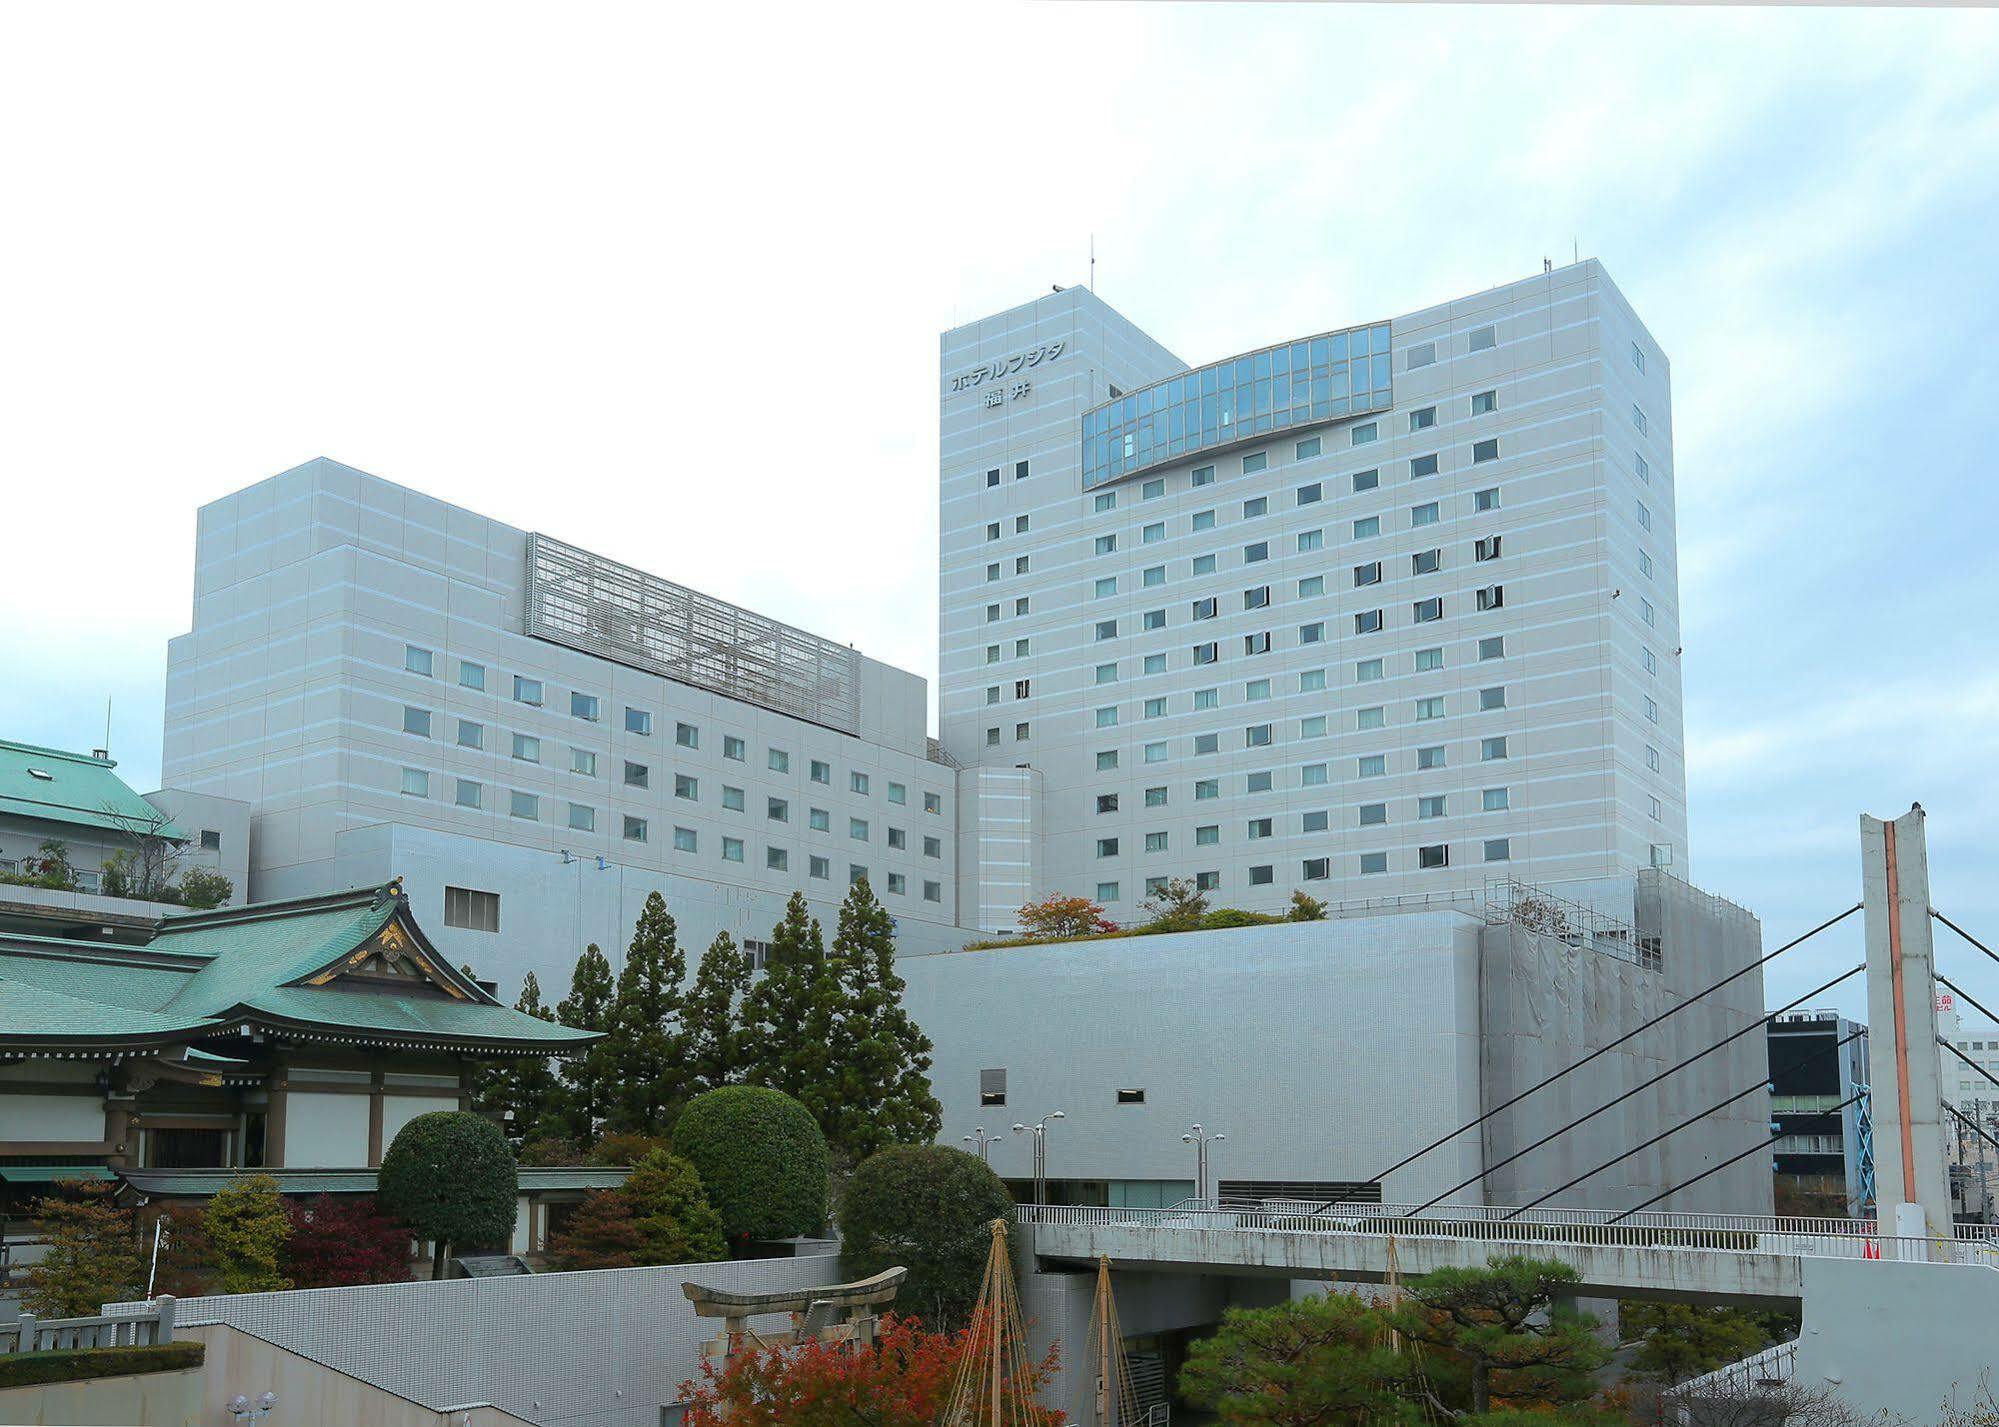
[(1366, 432), (993, 477), (471, 676), (1258, 643), (1364, 481), (635, 829), (1203, 476), (1107, 760), (1492, 749), (1251, 509), (1484, 402), (1423, 515), (778, 810), (1482, 339), (416, 721), (1207, 788), (470, 734), (685, 840), (776, 859), (1107, 891), (524, 805), (686, 735), (1431, 757), (1262, 876), (417, 661), (1372, 717), (687, 787), (1493, 800), (1106, 545), (857, 829), (1422, 418), (1105, 587), (416, 783), (1107, 847), (732, 849), (1367, 527), (732, 799), (819, 867), (933, 802), (1486, 450), (1106, 629), (1492, 647), (527, 748), (1152, 490), (1433, 856), (822, 772), (1373, 862), (1107, 717), (1153, 533), (777, 760), (857, 783), (469, 794), (1492, 698), (992, 572), (527, 691), (1206, 653), (584, 706), (1254, 462), (583, 761), (933, 846), (818, 819), (1258, 829), (582, 817)]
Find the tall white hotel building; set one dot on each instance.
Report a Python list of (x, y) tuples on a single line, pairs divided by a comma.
[(1385, 610)]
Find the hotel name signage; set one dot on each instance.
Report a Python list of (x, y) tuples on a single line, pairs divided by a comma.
[(999, 371)]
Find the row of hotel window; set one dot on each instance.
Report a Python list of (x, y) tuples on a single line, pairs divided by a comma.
[(583, 817), (1369, 765), (1310, 681), (1428, 806), (1429, 856), (471, 734), (1317, 775)]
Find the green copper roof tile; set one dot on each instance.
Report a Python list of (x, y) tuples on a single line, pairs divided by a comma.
[(74, 788)]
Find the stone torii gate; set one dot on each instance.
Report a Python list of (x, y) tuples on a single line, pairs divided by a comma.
[(829, 1313)]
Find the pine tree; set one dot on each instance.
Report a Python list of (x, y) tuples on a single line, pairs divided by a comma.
[(883, 1095), (588, 1080), (716, 1045), (779, 1018), (526, 1090), (648, 1044)]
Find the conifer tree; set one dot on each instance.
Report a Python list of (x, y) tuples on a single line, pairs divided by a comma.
[(525, 1090), (883, 1094), (589, 1079), (716, 1044), (779, 1016), (648, 1044)]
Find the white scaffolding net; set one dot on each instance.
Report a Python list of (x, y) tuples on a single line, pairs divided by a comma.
[(616, 612)]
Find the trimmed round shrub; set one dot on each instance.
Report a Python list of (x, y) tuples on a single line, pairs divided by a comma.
[(926, 1208), (761, 1158), (450, 1178)]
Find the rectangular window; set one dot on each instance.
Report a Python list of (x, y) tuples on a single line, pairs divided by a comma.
[(470, 794), (1311, 587), (1642, 467), (822, 772), (1256, 735), (1313, 775), (1371, 765), (1258, 829), (1367, 527), (819, 820), (1492, 698), (1493, 800), (1486, 548), (1638, 356), (1106, 629), (933, 846), (1426, 562), (933, 891), (1254, 462), (1644, 516), (1492, 597), (1255, 552), (416, 783), (1206, 789), (1155, 708), (1305, 450), (1202, 476), (1207, 881), (1492, 749), (1423, 515), (1368, 574), (857, 783), (1204, 520), (1367, 670), (1364, 481), (416, 721), (732, 798), (1107, 760), (1207, 699), (1428, 659), (1153, 533), (1107, 717), (1493, 647), (820, 868), (639, 722), (1155, 797), (583, 761), (1204, 564), (1251, 509), (1431, 806), (1106, 545), (1104, 588), (527, 691), (1421, 466), (1373, 814), (1374, 716), (1256, 597), (1638, 418), (777, 810), (470, 910), (527, 748), (470, 734), (1421, 355), (1431, 757), (582, 817), (1205, 653), (1368, 621), (1373, 862), (471, 676), (1487, 499), (686, 840), (1486, 450), (1422, 418), (1205, 743), (1153, 577), (1155, 842), (1364, 433), (1258, 643), (1482, 339), (524, 805), (777, 859), (1645, 564), (1107, 847), (1435, 855), (1429, 610), (1313, 633), (584, 706), (933, 802), (686, 786), (1020, 524), (1484, 402), (1262, 876), (1432, 707), (732, 849), (1153, 489), (417, 661), (992, 477), (1498, 849), (1022, 563)]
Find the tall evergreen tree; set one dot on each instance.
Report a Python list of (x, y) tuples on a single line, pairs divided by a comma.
[(716, 1044), (527, 1089), (883, 1095), (786, 1010), (648, 1042), (588, 1079)]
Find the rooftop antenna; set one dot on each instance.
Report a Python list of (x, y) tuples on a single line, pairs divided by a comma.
[(1575, 251), (1093, 262), (107, 726)]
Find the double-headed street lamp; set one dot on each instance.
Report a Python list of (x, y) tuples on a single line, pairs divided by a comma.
[(984, 1141), (1039, 1129), (1200, 1139)]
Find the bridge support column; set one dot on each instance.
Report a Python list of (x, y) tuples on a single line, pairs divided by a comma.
[(1912, 1184)]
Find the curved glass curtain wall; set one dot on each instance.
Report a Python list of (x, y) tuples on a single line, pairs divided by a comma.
[(1324, 378)]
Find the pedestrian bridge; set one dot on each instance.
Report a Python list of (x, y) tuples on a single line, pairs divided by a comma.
[(1711, 1258)]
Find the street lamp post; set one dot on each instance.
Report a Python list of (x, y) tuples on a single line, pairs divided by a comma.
[(984, 1141), (1200, 1139), (1039, 1129)]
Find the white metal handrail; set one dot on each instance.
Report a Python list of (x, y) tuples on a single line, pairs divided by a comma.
[(1527, 1234)]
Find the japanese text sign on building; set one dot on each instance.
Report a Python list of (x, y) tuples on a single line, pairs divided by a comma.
[(1005, 367)]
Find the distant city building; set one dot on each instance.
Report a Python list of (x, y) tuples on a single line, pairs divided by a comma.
[(1824, 1159), (1968, 1084)]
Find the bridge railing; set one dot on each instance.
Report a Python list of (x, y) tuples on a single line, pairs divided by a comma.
[(1525, 1235), (1646, 1218)]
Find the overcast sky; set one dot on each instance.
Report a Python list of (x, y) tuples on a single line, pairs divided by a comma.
[(667, 282)]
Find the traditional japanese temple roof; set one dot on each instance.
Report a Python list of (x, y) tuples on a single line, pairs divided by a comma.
[(349, 967)]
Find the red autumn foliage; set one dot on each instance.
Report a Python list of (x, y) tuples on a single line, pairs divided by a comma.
[(1059, 915), (904, 1380), (342, 1239)]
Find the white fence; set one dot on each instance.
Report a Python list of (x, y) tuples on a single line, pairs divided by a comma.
[(150, 1323)]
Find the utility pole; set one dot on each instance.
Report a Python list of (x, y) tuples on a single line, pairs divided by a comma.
[(1039, 1130), (1200, 1139), (984, 1141)]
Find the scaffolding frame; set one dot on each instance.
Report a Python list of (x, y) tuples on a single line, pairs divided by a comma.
[(614, 611)]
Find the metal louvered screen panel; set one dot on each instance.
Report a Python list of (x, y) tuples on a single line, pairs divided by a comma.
[(598, 606)]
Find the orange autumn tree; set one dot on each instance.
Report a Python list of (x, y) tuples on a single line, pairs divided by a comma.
[(1060, 915), (903, 1380)]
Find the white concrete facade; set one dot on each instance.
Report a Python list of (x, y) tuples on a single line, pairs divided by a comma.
[(1178, 649), (358, 670)]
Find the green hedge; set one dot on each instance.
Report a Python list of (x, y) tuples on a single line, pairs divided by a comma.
[(79, 1364)]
